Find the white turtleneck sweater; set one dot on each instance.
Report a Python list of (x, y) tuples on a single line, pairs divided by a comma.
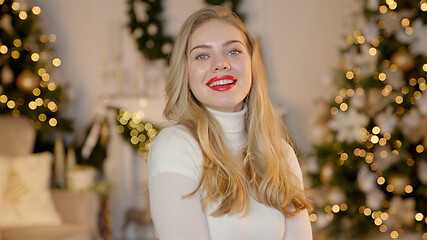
[(175, 166)]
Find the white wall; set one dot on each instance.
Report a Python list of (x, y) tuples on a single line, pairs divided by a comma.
[(299, 40)]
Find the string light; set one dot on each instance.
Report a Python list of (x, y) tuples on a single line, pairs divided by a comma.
[(394, 234), (23, 15), (17, 42), (56, 62), (343, 107), (15, 6), (36, 10), (383, 9), (349, 75), (382, 76), (423, 6), (372, 51), (3, 49), (405, 22), (313, 217), (11, 104), (399, 99), (419, 148), (409, 30), (3, 99), (36, 92), (15, 54), (35, 57), (380, 180), (53, 122)]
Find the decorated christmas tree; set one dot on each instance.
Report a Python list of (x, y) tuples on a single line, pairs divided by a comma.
[(371, 161), (27, 61)]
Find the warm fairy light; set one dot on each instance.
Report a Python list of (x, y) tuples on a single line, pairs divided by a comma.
[(16, 113), (32, 105), (36, 10), (56, 62), (381, 180), (419, 217), (423, 86), (45, 77), (17, 42), (23, 15), (409, 30), (384, 216), (120, 128), (41, 71), (360, 39), (3, 49), (383, 154), (11, 104), (42, 117), (382, 76), (423, 7), (369, 158), (328, 209), (372, 51), (52, 106), (393, 5), (44, 38), (15, 6), (334, 110), (52, 37), (383, 141), (417, 95), (400, 110), (344, 156), (425, 67), (405, 90), (419, 148), (335, 208), (367, 211), (15, 54), (383, 9), (39, 101), (338, 99), (343, 207), (390, 188), (421, 80), (134, 140), (51, 86), (350, 92), (410, 162), (343, 92), (405, 22), (383, 228), (313, 217), (53, 122), (343, 107), (376, 130), (36, 92), (374, 139), (408, 189), (394, 234), (35, 57), (399, 99), (378, 221), (413, 81), (349, 40), (3, 98), (349, 75)]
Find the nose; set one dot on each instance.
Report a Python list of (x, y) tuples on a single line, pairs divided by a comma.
[(220, 63)]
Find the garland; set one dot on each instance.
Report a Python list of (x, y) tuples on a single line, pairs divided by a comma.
[(146, 25)]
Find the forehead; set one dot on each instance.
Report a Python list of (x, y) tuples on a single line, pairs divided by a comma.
[(215, 31)]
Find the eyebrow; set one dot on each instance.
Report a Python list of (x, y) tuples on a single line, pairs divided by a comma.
[(224, 44)]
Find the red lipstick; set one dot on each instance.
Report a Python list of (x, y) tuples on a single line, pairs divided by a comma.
[(222, 83)]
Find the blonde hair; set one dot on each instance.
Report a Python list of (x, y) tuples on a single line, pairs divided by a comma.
[(261, 169)]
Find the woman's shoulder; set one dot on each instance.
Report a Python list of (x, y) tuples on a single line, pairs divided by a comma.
[(175, 150)]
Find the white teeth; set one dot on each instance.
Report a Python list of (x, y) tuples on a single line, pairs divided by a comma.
[(221, 82)]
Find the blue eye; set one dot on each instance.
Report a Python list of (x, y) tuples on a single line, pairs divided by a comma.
[(234, 52), (201, 57)]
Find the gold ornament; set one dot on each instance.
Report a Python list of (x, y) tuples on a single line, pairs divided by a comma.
[(327, 173), (403, 59), (27, 81), (399, 182)]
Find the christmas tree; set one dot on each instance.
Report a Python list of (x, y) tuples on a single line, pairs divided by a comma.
[(371, 161), (27, 60)]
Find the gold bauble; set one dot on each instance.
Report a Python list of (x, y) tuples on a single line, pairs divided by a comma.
[(327, 173), (27, 81), (403, 59), (399, 182)]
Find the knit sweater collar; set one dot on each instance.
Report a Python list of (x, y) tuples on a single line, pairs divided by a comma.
[(231, 122)]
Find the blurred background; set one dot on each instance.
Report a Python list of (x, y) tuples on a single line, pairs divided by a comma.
[(348, 78)]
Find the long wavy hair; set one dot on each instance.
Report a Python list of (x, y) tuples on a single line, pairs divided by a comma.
[(261, 168)]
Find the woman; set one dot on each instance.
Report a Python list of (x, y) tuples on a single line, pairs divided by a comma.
[(225, 170)]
